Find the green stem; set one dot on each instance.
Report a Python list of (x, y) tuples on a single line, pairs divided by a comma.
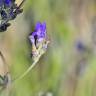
[(27, 71)]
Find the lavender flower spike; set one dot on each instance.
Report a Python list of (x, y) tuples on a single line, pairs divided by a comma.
[(39, 40), (39, 43)]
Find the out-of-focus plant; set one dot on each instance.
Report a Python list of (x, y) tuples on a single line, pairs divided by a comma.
[(5, 79), (8, 11)]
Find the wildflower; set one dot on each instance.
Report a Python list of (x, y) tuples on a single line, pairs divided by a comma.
[(39, 40), (8, 11), (80, 46)]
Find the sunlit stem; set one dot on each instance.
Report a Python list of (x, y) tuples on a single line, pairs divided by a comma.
[(20, 5), (29, 69)]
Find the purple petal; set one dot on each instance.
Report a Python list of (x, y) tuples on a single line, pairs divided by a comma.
[(43, 30), (1, 2), (8, 2), (38, 26), (40, 39), (34, 34), (31, 37), (39, 34), (44, 27)]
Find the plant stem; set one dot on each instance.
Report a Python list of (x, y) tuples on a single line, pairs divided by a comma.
[(27, 71)]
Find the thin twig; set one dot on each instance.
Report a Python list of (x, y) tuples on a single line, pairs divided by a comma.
[(21, 3), (4, 61)]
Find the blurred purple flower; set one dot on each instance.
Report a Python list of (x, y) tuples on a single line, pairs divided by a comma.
[(39, 34), (8, 11), (80, 46)]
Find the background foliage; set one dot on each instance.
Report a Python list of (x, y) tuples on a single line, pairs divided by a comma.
[(57, 72)]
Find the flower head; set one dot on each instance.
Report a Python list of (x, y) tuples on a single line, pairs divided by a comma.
[(39, 33), (38, 39)]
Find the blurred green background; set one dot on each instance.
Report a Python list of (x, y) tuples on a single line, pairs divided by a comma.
[(56, 73)]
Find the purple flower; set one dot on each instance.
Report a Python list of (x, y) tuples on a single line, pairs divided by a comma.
[(39, 33), (39, 40), (80, 46)]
